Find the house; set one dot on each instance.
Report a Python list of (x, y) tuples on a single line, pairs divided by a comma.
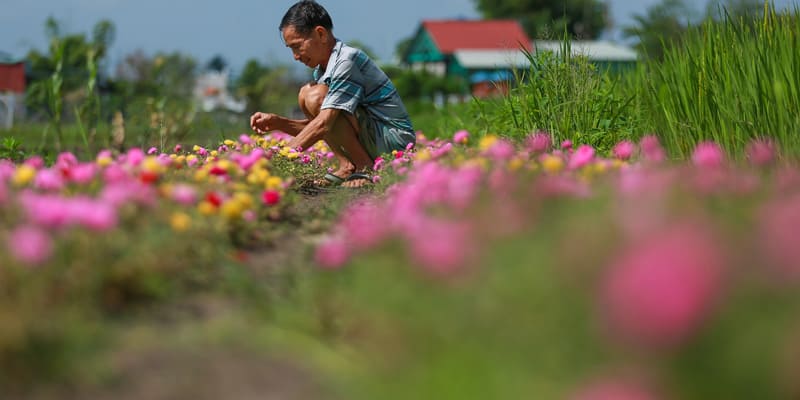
[(483, 53), (12, 90), (211, 91), (605, 54)]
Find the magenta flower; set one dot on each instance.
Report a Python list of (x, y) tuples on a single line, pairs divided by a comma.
[(652, 149), (539, 142), (461, 137), (245, 139), (500, 150), (94, 215), (761, 151), (708, 155), (624, 150), (152, 151), (30, 245), (332, 253), (582, 157), (7, 169), (660, 290), (566, 145), (177, 148)]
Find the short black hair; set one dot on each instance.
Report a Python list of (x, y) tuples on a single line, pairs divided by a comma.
[(306, 15)]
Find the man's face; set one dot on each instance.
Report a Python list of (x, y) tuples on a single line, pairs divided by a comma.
[(310, 49)]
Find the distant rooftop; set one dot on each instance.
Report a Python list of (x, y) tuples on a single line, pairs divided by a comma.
[(490, 59), (452, 35), (596, 50)]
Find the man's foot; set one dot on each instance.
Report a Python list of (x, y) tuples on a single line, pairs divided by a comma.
[(335, 178), (357, 180)]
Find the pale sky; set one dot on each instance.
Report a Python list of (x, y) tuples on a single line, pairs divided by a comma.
[(236, 29)]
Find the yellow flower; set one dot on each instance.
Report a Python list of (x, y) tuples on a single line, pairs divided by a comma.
[(552, 164), (151, 164), (213, 153), (206, 208), (104, 161), (245, 199), (487, 142), (232, 209), (180, 160), (423, 155), (23, 175), (229, 143), (180, 222), (515, 164), (273, 183), (201, 175)]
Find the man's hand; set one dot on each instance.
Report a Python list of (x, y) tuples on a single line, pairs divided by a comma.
[(262, 122)]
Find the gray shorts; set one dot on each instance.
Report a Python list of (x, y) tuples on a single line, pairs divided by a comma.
[(378, 137)]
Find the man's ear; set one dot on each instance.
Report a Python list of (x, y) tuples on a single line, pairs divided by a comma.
[(321, 32)]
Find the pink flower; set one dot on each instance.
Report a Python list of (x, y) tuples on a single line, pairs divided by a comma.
[(49, 179), (708, 155), (539, 142), (152, 151), (461, 137), (614, 389), (501, 150), (94, 215), (30, 245), (66, 160), (7, 169), (3, 192), (652, 149), (245, 139), (624, 150), (761, 151), (660, 290), (379, 163), (566, 145), (177, 148), (332, 253), (83, 174), (582, 157), (441, 248), (135, 156), (36, 162), (184, 194), (364, 225)]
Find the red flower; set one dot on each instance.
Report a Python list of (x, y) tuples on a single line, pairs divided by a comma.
[(148, 177), (214, 199), (271, 197)]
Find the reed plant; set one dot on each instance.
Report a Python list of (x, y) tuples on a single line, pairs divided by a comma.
[(566, 95), (730, 81)]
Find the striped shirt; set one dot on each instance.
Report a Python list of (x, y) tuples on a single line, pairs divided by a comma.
[(354, 81)]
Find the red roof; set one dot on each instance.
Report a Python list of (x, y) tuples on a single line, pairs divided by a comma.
[(12, 78), (451, 35)]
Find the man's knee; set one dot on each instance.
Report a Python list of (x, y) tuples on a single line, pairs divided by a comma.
[(311, 97)]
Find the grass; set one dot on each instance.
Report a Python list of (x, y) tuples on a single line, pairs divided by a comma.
[(730, 82)]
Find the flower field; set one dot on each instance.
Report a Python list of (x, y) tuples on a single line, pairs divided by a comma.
[(472, 267)]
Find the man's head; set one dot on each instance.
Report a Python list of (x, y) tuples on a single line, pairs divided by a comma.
[(307, 30)]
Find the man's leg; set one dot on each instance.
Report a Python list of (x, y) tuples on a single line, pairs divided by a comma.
[(342, 139)]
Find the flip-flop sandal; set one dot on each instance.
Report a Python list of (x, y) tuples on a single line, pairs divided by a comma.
[(355, 176), (330, 180)]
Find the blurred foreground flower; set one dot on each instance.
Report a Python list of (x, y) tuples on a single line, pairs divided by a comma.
[(30, 245), (660, 290)]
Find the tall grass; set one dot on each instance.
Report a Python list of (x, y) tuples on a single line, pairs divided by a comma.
[(567, 96), (730, 81)]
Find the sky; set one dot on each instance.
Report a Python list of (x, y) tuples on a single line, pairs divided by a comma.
[(238, 29)]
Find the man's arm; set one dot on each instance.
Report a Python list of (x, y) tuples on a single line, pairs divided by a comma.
[(316, 129), (265, 122)]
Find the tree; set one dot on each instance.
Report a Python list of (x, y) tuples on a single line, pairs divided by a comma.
[(267, 88), (663, 24), (217, 64), (735, 9), (583, 19)]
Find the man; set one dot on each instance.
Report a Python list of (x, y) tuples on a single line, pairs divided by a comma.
[(352, 105)]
